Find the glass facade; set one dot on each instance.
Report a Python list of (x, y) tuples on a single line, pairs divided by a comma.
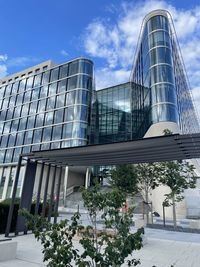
[(159, 68), (56, 107), (111, 118), (46, 110), (154, 69), (120, 113)]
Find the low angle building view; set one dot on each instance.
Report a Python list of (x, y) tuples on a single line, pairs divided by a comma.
[(58, 126)]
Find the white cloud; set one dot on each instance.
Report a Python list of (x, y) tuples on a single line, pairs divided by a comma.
[(3, 57), (21, 61), (106, 76), (64, 53), (3, 71), (6, 63), (3, 67), (114, 42)]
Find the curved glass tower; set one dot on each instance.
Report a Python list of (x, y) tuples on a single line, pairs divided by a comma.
[(159, 69)]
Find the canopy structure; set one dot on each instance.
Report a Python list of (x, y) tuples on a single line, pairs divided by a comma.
[(146, 150), (153, 149)]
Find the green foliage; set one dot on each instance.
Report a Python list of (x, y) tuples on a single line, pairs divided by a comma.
[(178, 176), (109, 246), (4, 210), (148, 176), (102, 247), (56, 239), (124, 177)]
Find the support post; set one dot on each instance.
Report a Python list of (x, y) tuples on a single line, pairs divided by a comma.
[(87, 178), (65, 185), (163, 214), (46, 191), (27, 194), (10, 213), (39, 189), (57, 196), (52, 194)]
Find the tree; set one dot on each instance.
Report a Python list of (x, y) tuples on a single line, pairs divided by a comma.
[(102, 247), (148, 179), (58, 248), (178, 176), (109, 246), (125, 178)]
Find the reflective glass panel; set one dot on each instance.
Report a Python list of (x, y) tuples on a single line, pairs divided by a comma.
[(67, 131), (63, 71)]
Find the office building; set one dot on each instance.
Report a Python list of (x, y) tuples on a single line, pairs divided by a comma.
[(55, 106)]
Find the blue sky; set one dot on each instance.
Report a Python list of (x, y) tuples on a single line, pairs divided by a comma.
[(106, 31)]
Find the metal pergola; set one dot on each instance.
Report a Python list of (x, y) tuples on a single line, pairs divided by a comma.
[(146, 150)]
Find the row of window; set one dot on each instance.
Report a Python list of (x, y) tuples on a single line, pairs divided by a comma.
[(64, 131), (114, 94), (12, 155), (75, 67), (76, 97), (79, 112), (79, 81)]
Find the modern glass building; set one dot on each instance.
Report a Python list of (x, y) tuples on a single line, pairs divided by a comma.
[(159, 67), (43, 108), (55, 106)]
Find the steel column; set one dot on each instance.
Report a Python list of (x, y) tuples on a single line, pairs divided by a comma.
[(52, 194), (46, 191), (27, 194), (39, 189), (10, 214), (57, 196)]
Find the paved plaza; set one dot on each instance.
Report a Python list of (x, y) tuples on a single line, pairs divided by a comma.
[(163, 249)]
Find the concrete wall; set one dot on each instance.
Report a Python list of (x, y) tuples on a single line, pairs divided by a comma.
[(75, 178)]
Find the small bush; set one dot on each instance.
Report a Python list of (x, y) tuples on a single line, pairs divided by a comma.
[(4, 210)]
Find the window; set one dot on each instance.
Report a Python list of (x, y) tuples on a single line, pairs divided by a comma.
[(37, 80), (162, 73), (73, 68), (29, 83), (67, 131), (86, 67), (47, 134), (63, 71), (60, 101), (58, 116), (22, 124), (52, 89), (45, 77), (22, 85), (54, 74), (28, 137), (39, 120), (62, 86), (20, 139), (50, 103), (43, 91), (69, 114), (57, 130), (70, 98), (72, 83), (11, 141), (49, 118), (37, 136), (30, 123), (41, 105)]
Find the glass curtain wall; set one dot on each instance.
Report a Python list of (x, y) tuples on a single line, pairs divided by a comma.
[(111, 115), (47, 110), (154, 70)]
